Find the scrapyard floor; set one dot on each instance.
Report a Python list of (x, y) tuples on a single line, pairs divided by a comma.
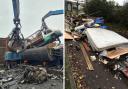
[(99, 78), (49, 84), (54, 81)]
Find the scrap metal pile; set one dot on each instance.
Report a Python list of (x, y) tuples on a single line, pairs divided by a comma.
[(23, 56), (97, 43), (26, 74)]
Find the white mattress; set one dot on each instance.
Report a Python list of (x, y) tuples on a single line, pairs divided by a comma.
[(101, 39)]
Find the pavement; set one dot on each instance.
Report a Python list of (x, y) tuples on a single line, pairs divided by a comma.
[(101, 77)]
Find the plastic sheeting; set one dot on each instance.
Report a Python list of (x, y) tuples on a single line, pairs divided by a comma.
[(101, 39)]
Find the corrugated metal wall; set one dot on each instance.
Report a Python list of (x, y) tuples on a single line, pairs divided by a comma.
[(3, 48)]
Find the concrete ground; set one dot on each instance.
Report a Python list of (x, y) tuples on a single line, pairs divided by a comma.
[(50, 84), (53, 82)]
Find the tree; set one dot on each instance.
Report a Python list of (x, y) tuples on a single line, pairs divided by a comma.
[(100, 8), (124, 15)]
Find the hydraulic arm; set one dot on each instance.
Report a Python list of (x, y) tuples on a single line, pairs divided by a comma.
[(16, 39), (44, 27)]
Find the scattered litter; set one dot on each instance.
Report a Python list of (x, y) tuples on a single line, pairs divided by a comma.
[(53, 84), (81, 77), (2, 71), (54, 77), (96, 76), (103, 53), (33, 88), (96, 40), (93, 58), (103, 61), (27, 74), (117, 66), (115, 76), (113, 87)]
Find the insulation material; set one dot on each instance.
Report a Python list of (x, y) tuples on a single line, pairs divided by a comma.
[(101, 39)]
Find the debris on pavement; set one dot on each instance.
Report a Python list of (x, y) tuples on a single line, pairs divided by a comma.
[(101, 50), (93, 58)]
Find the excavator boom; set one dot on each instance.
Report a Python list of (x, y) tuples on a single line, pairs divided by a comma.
[(16, 39), (50, 13)]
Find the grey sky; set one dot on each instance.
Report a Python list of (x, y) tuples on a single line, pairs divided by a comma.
[(120, 2), (31, 12)]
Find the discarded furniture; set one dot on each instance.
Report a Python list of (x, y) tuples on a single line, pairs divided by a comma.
[(101, 39)]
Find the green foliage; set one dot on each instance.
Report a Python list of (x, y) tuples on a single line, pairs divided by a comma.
[(111, 11), (99, 8), (124, 15)]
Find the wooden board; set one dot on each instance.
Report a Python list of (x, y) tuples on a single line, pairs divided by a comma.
[(116, 53), (86, 46), (67, 36), (89, 64)]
